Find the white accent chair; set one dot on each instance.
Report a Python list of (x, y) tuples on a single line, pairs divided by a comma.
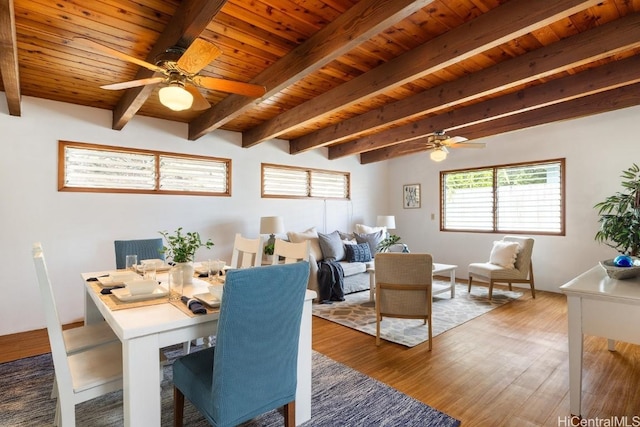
[(521, 273), (291, 252), (86, 373), (246, 252), (404, 288)]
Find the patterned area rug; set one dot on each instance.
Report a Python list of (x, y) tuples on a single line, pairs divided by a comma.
[(341, 396), (358, 313)]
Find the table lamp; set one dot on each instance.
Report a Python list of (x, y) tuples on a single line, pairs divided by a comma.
[(271, 225), (388, 221)]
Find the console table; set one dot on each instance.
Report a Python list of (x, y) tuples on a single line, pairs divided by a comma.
[(598, 305)]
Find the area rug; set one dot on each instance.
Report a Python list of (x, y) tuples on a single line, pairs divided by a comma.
[(358, 313), (341, 396)]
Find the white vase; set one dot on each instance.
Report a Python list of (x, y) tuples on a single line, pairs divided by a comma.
[(184, 269)]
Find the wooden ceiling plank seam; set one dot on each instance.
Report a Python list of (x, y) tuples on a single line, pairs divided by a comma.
[(584, 47), (9, 69), (298, 13), (623, 97), (189, 21), (600, 79), (513, 19), (263, 22), (361, 22)]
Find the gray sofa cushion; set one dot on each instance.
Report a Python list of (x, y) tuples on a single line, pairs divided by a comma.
[(332, 246), (353, 268), (372, 239)]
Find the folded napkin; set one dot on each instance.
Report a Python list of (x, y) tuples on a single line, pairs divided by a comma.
[(194, 305)]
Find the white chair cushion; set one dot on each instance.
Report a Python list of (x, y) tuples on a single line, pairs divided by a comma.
[(495, 272), (504, 253), (365, 229), (312, 235)]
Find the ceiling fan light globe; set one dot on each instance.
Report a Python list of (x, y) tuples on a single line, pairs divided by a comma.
[(438, 155), (175, 97)]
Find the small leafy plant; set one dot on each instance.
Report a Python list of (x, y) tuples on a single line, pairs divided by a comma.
[(182, 247), (387, 242), (620, 215), (268, 249)]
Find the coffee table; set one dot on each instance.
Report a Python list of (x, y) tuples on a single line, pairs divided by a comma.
[(438, 269)]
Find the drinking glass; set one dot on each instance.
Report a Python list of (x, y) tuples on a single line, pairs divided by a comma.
[(131, 261), (149, 270), (215, 265), (175, 283)]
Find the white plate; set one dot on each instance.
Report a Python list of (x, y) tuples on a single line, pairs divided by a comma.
[(159, 268), (123, 294), (208, 299), (109, 281)]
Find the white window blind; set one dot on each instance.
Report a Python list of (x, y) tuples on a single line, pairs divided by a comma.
[(288, 181), (87, 167), (526, 198)]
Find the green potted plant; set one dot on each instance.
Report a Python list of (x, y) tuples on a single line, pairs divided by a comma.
[(620, 215), (387, 242), (268, 251), (181, 248)]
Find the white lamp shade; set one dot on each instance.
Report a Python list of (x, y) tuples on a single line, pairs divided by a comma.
[(271, 225), (438, 155), (175, 97), (388, 221)]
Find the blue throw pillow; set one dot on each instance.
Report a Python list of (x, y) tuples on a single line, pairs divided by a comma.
[(358, 253)]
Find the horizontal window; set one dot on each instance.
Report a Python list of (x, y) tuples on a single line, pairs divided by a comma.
[(293, 182), (97, 168), (522, 198)]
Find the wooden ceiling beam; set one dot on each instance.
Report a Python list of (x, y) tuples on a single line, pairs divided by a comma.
[(364, 20), (582, 48), (189, 21), (9, 57), (623, 97), (500, 25), (609, 76)]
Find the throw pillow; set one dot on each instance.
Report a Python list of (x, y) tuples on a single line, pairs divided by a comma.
[(372, 239), (346, 236), (332, 246), (504, 253), (358, 253), (365, 229), (312, 235)]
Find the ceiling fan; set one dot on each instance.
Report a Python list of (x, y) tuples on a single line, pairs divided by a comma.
[(179, 68), (439, 142)]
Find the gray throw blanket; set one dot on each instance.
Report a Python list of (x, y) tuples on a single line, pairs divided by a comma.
[(330, 281)]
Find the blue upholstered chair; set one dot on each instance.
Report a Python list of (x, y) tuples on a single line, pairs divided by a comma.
[(253, 367), (144, 248)]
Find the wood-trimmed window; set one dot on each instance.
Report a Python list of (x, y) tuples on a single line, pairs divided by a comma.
[(516, 198), (106, 169), (295, 182)]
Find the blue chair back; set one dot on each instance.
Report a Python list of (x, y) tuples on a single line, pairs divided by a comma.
[(144, 248)]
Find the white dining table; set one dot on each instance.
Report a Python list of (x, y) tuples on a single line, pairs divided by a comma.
[(143, 331)]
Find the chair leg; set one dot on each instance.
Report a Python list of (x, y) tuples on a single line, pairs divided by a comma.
[(430, 334), (290, 414), (470, 280), (533, 289), (378, 320), (490, 289), (186, 347), (178, 407)]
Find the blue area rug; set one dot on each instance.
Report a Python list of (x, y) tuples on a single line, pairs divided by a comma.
[(341, 396)]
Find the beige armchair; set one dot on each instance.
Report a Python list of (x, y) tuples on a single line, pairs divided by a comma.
[(403, 288), (522, 271)]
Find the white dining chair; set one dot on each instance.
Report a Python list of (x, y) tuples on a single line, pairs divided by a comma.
[(291, 252), (84, 374), (246, 252)]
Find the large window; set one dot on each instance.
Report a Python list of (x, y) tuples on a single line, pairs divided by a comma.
[(294, 182), (99, 168), (519, 198)]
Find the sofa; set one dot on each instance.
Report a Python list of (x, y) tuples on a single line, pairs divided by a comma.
[(354, 251)]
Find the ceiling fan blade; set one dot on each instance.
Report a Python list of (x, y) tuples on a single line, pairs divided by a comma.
[(116, 54), (468, 145), (230, 86), (453, 140), (133, 83), (198, 56), (199, 101)]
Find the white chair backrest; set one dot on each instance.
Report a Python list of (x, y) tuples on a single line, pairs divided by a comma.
[(523, 260), (291, 252), (54, 328), (246, 252)]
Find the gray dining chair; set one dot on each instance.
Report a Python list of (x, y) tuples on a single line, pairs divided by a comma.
[(144, 248)]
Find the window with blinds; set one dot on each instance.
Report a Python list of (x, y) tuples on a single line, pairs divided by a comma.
[(521, 198), (293, 182), (96, 168)]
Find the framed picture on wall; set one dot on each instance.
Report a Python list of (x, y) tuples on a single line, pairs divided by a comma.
[(411, 196)]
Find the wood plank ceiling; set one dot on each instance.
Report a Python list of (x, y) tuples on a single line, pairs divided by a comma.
[(372, 78)]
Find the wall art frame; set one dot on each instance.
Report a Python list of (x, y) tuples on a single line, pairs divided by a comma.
[(411, 196)]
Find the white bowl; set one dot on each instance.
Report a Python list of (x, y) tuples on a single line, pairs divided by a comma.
[(123, 276), (156, 262), (216, 291), (140, 287)]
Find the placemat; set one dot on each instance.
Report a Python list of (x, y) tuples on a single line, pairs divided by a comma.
[(115, 304), (183, 307)]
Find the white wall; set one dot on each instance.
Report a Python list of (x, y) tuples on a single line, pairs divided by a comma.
[(597, 149), (77, 229)]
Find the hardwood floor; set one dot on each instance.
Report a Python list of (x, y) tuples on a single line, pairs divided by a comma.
[(508, 367)]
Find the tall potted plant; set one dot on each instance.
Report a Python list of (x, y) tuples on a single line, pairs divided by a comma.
[(620, 215), (181, 248)]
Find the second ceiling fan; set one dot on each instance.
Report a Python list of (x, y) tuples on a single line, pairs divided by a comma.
[(179, 68), (439, 142)]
